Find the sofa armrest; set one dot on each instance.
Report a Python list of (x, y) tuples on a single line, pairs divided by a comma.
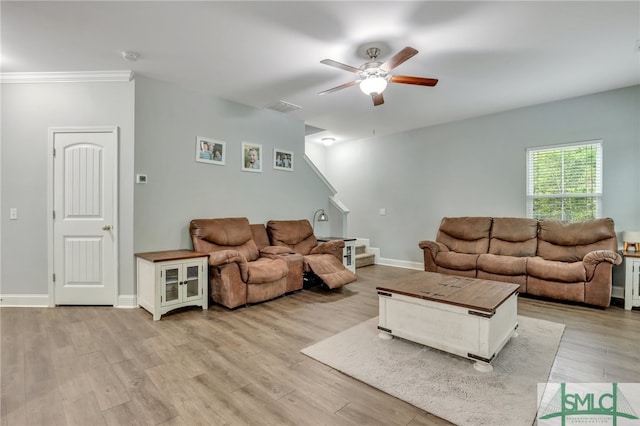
[(333, 247), (433, 246), (221, 258), (430, 250), (593, 258)]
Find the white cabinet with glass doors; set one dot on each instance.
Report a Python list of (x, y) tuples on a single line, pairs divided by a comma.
[(171, 279)]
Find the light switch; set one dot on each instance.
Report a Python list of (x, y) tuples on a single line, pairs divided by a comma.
[(13, 214)]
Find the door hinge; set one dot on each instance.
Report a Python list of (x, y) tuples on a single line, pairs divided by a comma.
[(54, 214), (54, 152), (54, 278)]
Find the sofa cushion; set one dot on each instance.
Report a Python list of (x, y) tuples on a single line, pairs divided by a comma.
[(295, 234), (502, 265), (465, 234), (554, 290), (210, 235), (512, 236), (550, 270), (265, 270), (259, 234), (457, 261), (521, 280), (570, 242)]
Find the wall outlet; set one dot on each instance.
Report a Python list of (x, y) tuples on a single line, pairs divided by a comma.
[(141, 178), (383, 212)]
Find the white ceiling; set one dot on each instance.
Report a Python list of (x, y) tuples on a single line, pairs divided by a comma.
[(489, 56)]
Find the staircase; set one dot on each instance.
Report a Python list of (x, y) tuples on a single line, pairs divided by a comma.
[(364, 258)]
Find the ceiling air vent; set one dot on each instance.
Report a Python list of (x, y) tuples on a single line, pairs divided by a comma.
[(284, 107)]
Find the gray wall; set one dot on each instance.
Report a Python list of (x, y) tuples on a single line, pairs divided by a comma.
[(28, 110), (168, 120), (477, 167)]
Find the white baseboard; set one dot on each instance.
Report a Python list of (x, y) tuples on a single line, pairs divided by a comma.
[(42, 301), (127, 301), (399, 263), (24, 300)]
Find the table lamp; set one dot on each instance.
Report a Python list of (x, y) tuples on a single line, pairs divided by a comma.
[(631, 239), (322, 218)]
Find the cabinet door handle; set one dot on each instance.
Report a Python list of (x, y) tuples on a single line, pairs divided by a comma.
[(106, 227)]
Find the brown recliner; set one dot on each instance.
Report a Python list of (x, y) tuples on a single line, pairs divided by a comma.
[(324, 260), (237, 274)]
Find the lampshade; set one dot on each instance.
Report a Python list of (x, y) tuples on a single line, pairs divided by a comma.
[(322, 218), (373, 85), (631, 239)]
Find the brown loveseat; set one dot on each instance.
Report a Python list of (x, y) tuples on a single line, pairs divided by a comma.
[(547, 258), (246, 267)]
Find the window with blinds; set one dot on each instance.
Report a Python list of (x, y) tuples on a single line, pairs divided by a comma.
[(564, 182)]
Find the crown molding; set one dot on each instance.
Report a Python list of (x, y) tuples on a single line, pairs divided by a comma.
[(66, 77)]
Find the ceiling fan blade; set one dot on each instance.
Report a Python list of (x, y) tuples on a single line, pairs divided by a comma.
[(407, 79), (378, 99), (336, 64), (342, 86), (398, 58)]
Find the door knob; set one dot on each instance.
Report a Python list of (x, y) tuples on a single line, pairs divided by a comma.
[(106, 227)]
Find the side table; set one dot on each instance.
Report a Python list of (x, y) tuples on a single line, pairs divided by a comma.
[(171, 279), (348, 253), (631, 279)]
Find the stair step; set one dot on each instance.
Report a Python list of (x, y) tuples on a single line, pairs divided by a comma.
[(365, 259), (361, 249)]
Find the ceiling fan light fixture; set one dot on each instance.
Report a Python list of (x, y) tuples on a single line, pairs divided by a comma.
[(373, 84)]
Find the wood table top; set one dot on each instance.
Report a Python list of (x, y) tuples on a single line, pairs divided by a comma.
[(166, 255), (472, 293)]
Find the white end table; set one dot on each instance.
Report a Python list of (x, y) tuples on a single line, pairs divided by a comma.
[(631, 279)]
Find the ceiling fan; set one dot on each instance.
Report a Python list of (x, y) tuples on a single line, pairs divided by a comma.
[(373, 76)]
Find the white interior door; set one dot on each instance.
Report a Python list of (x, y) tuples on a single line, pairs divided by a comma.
[(84, 216)]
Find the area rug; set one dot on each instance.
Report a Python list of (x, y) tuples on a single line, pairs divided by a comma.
[(447, 385)]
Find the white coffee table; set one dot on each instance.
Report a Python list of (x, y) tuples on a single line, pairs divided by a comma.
[(469, 317)]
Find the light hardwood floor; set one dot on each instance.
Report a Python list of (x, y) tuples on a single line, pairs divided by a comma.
[(107, 366)]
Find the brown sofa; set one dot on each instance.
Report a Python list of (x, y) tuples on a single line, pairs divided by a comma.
[(324, 260), (547, 258)]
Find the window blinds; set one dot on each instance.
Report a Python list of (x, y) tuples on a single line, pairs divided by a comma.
[(564, 182)]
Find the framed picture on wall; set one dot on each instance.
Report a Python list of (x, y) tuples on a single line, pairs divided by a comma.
[(251, 157), (210, 151), (282, 160)]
